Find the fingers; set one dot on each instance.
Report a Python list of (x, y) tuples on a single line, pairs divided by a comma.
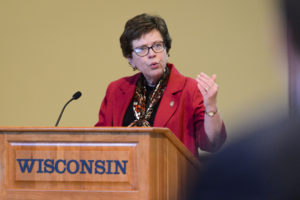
[(203, 85), (203, 88), (205, 81), (214, 77), (209, 80)]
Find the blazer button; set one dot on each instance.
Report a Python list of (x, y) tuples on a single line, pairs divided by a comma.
[(172, 103)]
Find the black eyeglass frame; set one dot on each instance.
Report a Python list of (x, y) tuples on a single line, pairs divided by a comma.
[(151, 47)]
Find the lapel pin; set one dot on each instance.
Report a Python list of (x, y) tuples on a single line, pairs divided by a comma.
[(172, 103)]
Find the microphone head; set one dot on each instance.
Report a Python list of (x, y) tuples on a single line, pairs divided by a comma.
[(77, 95)]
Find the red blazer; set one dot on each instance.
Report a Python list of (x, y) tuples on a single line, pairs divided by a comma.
[(181, 109)]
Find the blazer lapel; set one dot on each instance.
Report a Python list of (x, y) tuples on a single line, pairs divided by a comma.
[(170, 100), (123, 98)]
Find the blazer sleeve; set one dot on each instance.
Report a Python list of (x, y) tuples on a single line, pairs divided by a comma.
[(201, 137)]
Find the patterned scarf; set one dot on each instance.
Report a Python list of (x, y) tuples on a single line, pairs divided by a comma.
[(141, 109)]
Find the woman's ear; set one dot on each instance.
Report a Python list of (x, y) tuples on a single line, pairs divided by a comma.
[(130, 61), (132, 65)]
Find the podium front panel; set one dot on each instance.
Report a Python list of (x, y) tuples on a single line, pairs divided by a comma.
[(93, 163)]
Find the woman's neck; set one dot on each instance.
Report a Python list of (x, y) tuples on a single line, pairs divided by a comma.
[(151, 84)]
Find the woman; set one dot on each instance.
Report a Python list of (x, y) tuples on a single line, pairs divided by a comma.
[(159, 95)]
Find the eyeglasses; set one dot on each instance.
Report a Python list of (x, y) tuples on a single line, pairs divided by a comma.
[(144, 50)]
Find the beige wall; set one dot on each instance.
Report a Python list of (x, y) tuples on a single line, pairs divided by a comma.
[(49, 49)]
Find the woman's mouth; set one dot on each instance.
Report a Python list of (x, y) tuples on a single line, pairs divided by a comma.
[(154, 65)]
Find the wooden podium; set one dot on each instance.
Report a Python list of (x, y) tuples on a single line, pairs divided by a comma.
[(94, 163)]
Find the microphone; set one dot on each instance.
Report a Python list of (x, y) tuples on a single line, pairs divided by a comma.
[(75, 96)]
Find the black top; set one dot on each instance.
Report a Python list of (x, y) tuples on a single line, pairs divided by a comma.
[(129, 115)]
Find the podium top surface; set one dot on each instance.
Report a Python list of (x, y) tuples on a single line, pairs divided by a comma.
[(80, 129)]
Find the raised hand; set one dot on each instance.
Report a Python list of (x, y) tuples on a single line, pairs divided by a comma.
[(209, 90)]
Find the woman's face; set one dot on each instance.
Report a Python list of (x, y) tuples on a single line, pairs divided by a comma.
[(152, 65)]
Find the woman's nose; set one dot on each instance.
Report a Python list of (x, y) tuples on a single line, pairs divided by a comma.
[(151, 53)]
